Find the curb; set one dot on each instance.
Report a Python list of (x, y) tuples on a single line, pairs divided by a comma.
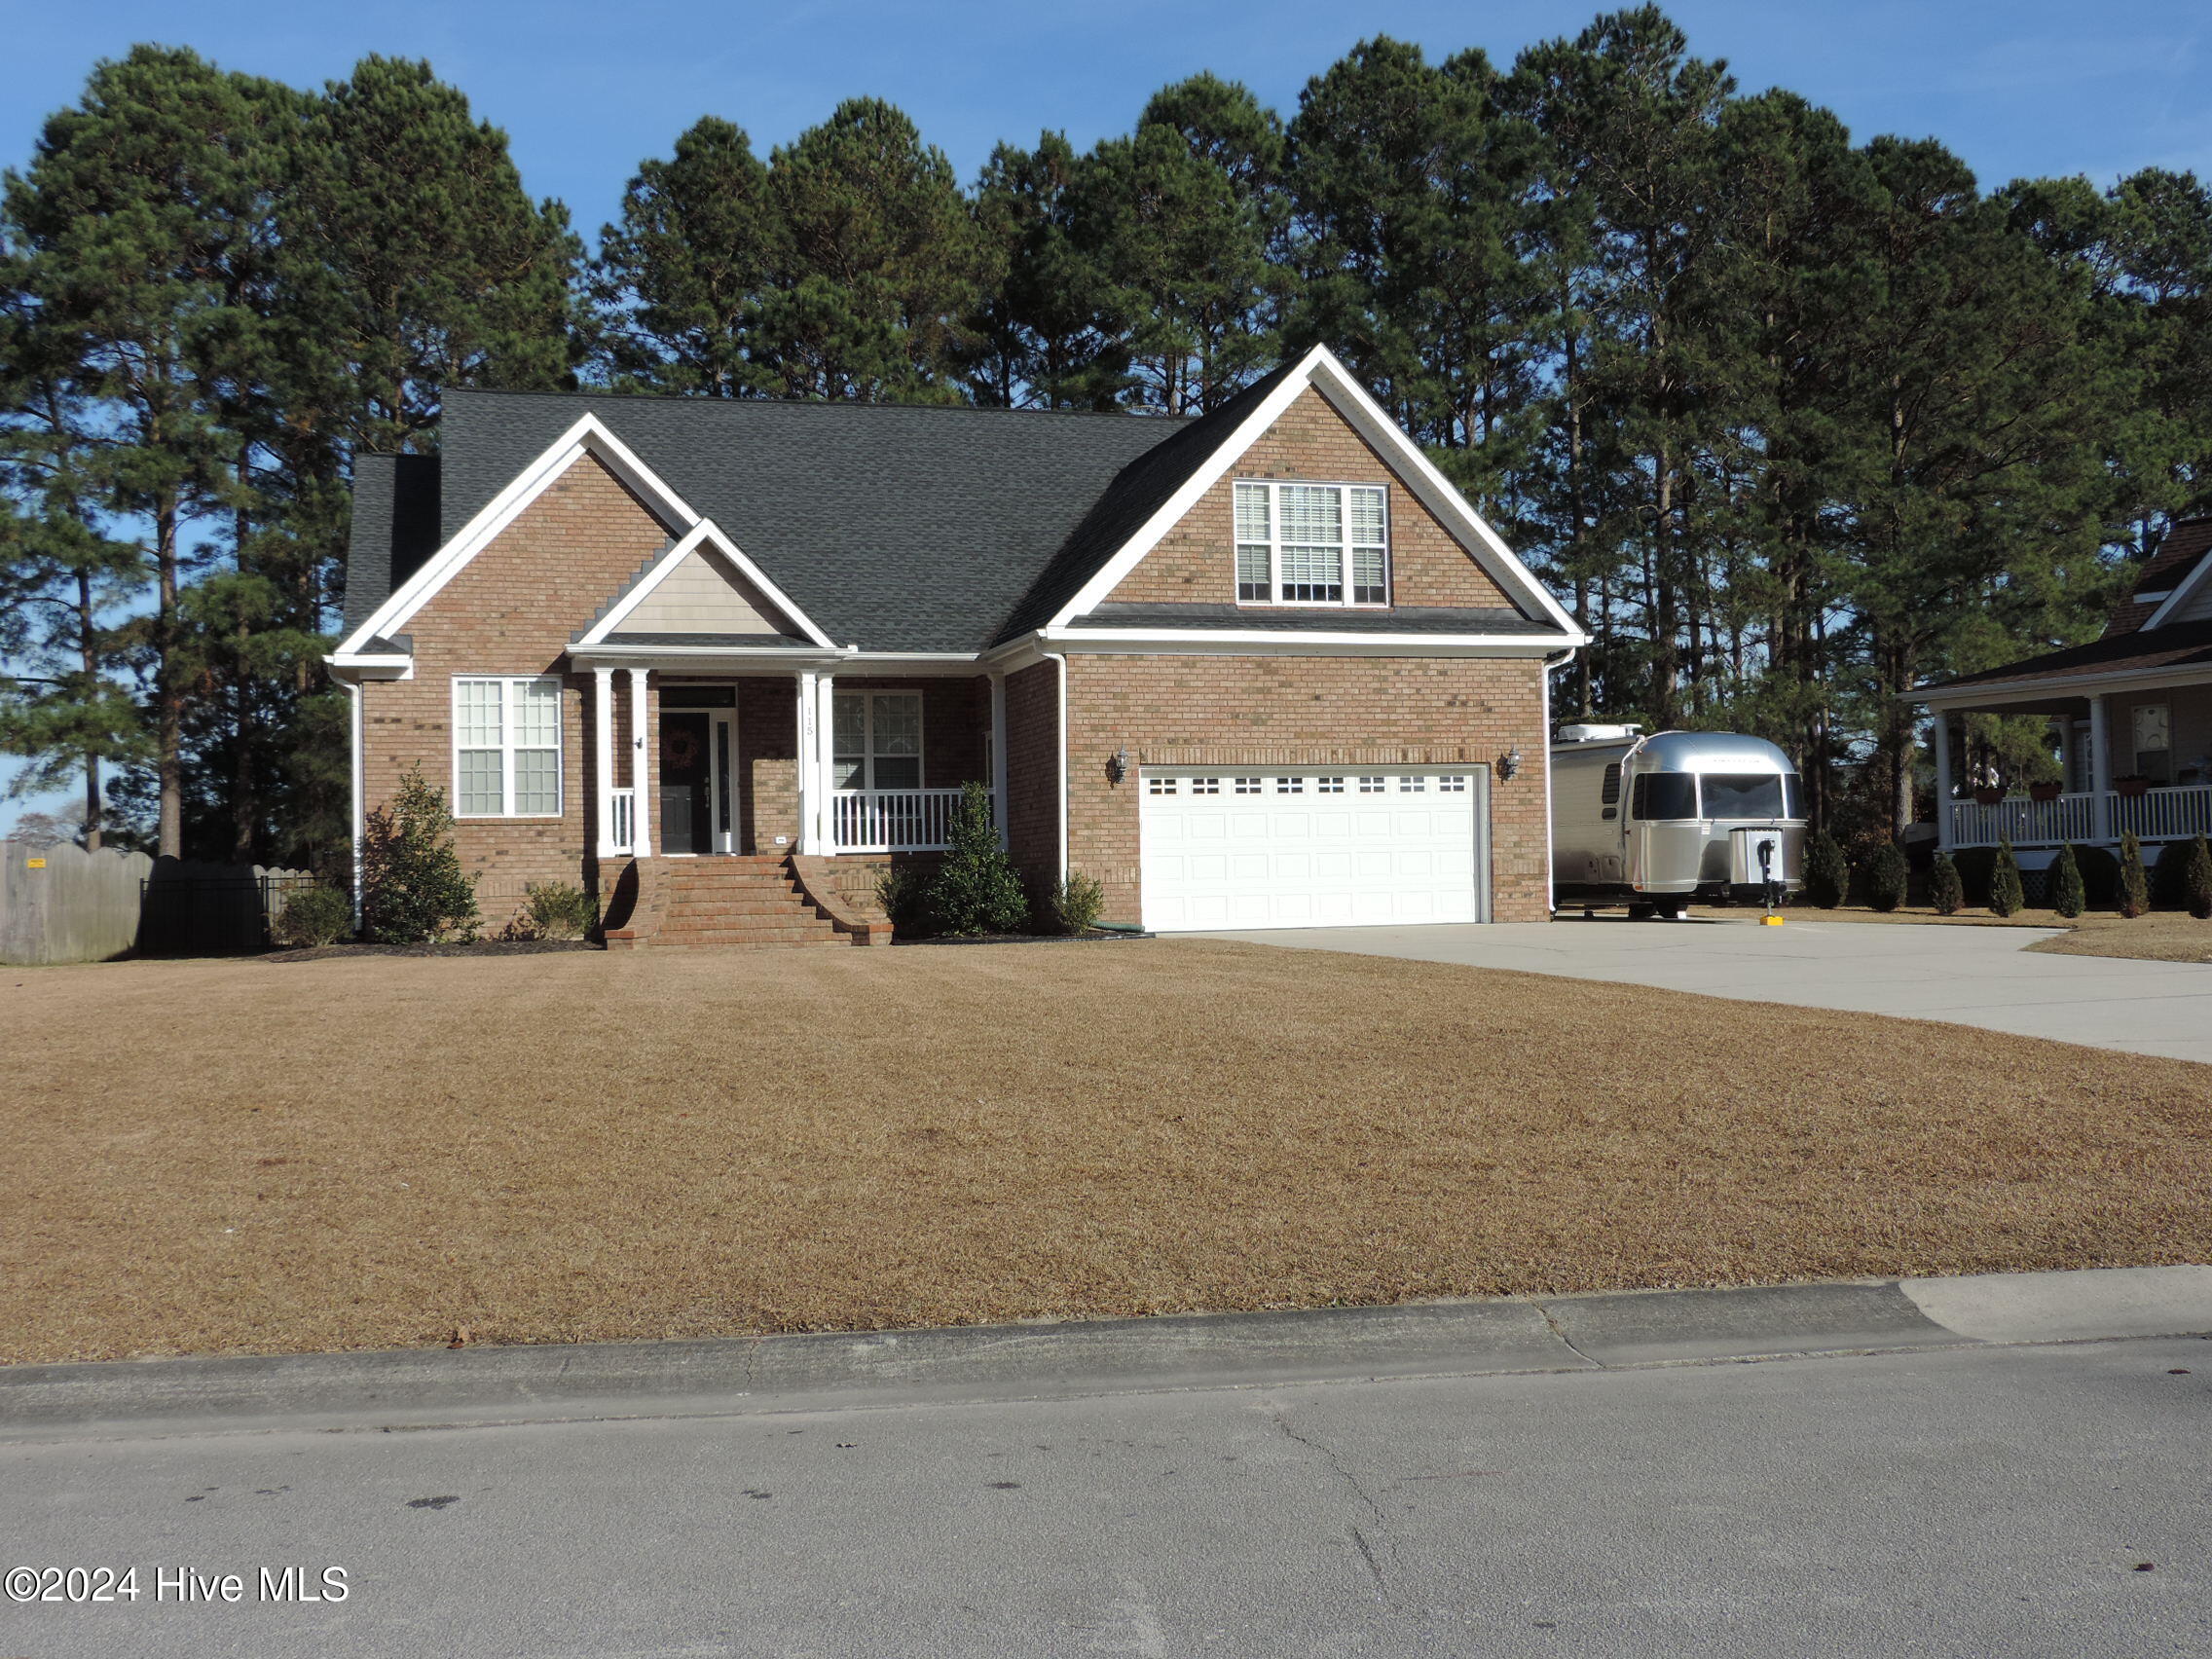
[(430, 1387)]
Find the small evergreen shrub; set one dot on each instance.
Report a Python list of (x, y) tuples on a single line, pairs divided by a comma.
[(2067, 896), (2100, 876), (1077, 903), (2168, 876), (1945, 895), (1975, 865), (2134, 887), (2195, 877), (2005, 896), (976, 889), (413, 888), (313, 916), (1828, 874), (559, 910), (903, 896), (1886, 878)]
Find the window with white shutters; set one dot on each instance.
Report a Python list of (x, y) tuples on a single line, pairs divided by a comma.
[(506, 735), (1312, 544)]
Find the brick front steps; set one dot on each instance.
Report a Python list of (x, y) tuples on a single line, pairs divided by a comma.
[(738, 903)]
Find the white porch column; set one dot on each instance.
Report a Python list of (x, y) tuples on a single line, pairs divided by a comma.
[(802, 765), (641, 768), (1944, 778), (2100, 768), (1000, 809), (2063, 727), (824, 762), (603, 754)]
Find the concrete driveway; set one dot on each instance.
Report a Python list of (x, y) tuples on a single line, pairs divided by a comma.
[(1968, 975)]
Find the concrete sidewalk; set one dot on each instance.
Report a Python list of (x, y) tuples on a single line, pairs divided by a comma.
[(427, 1387), (1968, 975)]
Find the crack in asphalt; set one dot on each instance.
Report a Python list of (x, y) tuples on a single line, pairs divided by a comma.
[(1329, 1460)]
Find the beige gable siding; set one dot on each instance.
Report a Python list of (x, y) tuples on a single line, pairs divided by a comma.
[(704, 595), (2197, 608), (1196, 562)]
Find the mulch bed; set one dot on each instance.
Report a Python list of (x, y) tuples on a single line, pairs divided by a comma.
[(1093, 937), (477, 947)]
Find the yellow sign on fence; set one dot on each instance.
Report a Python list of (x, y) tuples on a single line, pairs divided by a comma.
[(34, 863)]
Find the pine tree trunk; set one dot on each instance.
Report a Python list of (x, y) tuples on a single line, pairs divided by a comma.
[(168, 695), (87, 660)]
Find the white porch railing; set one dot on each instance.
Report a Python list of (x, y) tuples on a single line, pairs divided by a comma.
[(2159, 815), (622, 822), (892, 821)]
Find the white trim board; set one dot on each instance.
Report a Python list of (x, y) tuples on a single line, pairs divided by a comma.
[(1320, 370), (588, 436), (708, 534)]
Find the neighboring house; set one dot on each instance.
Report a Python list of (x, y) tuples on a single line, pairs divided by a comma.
[(1263, 668), (2133, 713)]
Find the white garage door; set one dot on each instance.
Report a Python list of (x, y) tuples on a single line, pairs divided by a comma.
[(1304, 849)]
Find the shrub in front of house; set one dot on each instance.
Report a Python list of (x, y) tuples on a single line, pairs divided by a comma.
[(1078, 902), (2193, 859), (1886, 876), (1975, 865), (1828, 874), (313, 916), (2006, 897), (2134, 887), (2100, 876), (976, 889), (413, 888), (559, 910), (2067, 896), (903, 896), (1946, 897)]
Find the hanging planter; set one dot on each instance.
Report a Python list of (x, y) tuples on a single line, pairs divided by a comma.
[(2131, 789), (1988, 795), (2046, 793)]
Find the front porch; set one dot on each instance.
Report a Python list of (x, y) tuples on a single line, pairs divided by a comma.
[(690, 764), (2082, 817)]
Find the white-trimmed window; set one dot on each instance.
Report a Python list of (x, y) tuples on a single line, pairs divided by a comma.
[(1205, 786), (1161, 785), (1312, 544), (1329, 785), (878, 740), (506, 746), (1248, 785)]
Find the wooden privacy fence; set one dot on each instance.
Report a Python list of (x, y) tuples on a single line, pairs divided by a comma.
[(61, 903)]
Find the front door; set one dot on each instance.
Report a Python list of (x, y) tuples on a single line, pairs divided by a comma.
[(686, 781)]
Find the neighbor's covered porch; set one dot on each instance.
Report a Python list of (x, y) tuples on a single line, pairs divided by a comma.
[(694, 758), (2133, 758)]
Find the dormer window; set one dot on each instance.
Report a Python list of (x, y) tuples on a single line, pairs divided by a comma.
[(1313, 544)]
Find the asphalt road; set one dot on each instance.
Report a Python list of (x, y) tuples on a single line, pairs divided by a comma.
[(1955, 1501), (1968, 975)]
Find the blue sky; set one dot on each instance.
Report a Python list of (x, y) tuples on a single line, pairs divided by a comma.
[(586, 91)]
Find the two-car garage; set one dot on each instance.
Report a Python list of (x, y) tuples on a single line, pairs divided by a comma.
[(1272, 847)]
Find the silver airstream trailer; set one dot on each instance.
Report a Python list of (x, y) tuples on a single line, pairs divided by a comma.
[(1656, 821)]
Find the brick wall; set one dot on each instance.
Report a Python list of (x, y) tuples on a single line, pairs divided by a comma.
[(1196, 562), (513, 611), (1207, 710), (1033, 775)]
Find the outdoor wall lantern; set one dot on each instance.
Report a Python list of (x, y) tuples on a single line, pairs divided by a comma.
[(1117, 765), (1509, 764)]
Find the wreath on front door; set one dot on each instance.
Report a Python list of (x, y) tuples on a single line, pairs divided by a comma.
[(679, 750)]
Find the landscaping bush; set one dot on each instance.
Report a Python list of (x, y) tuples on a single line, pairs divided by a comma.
[(903, 896), (2065, 883), (2196, 879), (1077, 903), (1945, 896), (313, 916), (1975, 867), (1885, 876), (413, 888), (2005, 896), (559, 910), (2100, 876), (1828, 874), (2134, 889), (976, 889)]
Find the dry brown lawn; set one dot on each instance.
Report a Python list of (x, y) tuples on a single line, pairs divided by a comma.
[(256, 1156)]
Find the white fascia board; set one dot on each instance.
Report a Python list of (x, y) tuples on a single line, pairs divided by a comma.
[(589, 435), (1237, 641), (2059, 685), (2183, 592), (1127, 556), (1437, 493), (706, 531), (350, 668)]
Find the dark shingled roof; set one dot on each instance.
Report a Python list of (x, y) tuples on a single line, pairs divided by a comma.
[(2165, 569), (893, 526), (2179, 644)]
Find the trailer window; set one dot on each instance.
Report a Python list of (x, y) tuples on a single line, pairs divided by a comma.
[(1742, 795), (1792, 795), (1664, 794)]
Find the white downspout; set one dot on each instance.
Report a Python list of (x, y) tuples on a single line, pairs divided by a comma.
[(1544, 759), (358, 813)]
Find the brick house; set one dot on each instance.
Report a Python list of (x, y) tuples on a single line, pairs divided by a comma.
[(726, 661)]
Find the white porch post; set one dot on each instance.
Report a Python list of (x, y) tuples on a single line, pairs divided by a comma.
[(641, 768), (603, 754), (824, 762), (803, 762), (2064, 727), (2100, 769), (1944, 778), (1000, 809)]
